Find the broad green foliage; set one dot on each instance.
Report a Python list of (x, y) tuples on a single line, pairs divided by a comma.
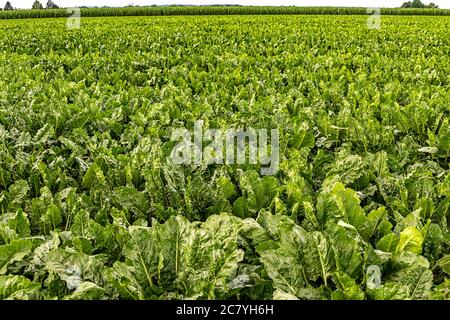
[(92, 208), (179, 259), (18, 287)]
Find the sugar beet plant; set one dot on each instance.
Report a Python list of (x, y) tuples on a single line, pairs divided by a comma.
[(93, 208)]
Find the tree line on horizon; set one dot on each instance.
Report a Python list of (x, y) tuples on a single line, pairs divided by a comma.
[(419, 4), (37, 5)]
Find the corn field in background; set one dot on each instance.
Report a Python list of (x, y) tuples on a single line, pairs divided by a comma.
[(212, 10)]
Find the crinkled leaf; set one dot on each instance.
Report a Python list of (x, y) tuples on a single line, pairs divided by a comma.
[(87, 291), (75, 268), (13, 252), (281, 295), (18, 288), (347, 250), (389, 291), (189, 259), (418, 279)]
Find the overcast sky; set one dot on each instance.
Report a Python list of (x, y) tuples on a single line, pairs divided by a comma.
[(345, 3)]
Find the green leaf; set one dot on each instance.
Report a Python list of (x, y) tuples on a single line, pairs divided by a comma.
[(281, 295), (302, 139), (14, 226), (374, 219), (406, 259), (295, 258), (418, 279), (75, 268), (130, 199), (258, 192), (337, 295), (51, 220), (121, 277), (285, 258), (13, 252), (347, 286), (227, 187), (41, 252), (18, 193), (286, 272), (388, 243), (318, 256), (310, 216), (410, 240), (441, 291), (87, 291), (339, 203), (240, 208), (142, 253), (82, 244), (188, 259), (92, 176), (18, 288), (444, 264), (274, 224), (252, 230), (80, 225), (6, 233), (347, 249), (389, 291)]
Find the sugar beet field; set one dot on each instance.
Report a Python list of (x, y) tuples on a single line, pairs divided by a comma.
[(92, 205)]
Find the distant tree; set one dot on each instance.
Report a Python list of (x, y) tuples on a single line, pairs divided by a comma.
[(37, 5), (8, 6), (407, 4), (51, 5), (417, 4)]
